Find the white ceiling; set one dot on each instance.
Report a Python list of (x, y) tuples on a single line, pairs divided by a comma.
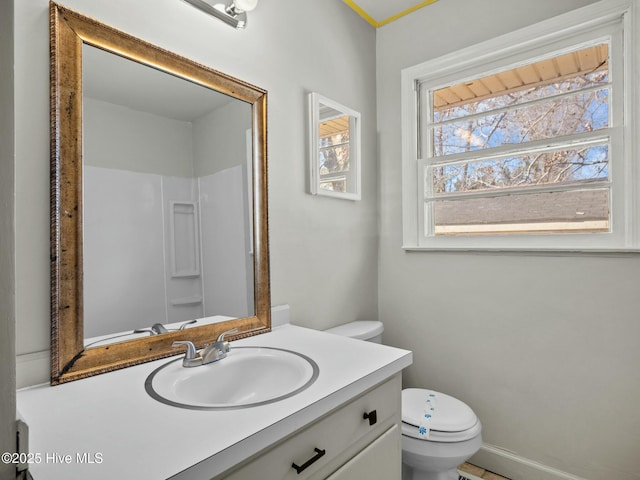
[(120, 81), (381, 12)]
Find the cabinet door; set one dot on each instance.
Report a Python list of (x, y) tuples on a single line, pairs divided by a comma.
[(381, 459), (338, 436)]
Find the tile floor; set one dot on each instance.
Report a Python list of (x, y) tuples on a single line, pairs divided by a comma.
[(479, 473)]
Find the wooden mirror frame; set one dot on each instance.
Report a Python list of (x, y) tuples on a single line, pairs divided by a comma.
[(69, 359)]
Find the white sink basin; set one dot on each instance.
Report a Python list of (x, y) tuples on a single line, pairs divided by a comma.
[(247, 377)]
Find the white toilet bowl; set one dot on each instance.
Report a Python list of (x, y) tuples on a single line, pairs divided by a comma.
[(453, 436), (439, 432)]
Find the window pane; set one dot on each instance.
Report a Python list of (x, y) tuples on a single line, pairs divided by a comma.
[(523, 96), (576, 211), (334, 145), (336, 185), (334, 159), (571, 114), (559, 167), (569, 72)]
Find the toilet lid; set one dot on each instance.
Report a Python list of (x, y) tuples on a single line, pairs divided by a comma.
[(448, 415)]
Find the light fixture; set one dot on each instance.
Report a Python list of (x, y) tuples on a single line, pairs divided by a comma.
[(233, 13)]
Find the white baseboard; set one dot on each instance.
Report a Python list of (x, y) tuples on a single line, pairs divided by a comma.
[(33, 368), (508, 464)]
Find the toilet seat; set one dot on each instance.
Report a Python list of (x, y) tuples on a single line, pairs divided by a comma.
[(442, 437), (451, 420)]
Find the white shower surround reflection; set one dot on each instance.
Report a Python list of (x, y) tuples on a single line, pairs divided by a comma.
[(133, 284)]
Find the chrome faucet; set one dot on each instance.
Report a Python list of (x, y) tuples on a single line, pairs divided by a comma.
[(158, 328), (209, 353)]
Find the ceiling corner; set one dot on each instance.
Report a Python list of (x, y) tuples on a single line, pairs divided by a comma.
[(381, 12)]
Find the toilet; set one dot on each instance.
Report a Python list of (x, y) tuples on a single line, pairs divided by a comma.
[(439, 432)]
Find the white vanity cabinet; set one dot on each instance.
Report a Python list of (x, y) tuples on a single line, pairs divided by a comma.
[(360, 439)]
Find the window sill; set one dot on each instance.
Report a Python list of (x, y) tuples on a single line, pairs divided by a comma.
[(617, 252)]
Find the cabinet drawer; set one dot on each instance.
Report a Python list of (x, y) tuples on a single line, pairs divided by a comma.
[(329, 442)]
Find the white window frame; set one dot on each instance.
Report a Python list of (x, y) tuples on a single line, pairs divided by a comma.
[(586, 26)]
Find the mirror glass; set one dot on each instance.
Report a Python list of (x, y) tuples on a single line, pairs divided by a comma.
[(334, 141), (158, 201), (166, 220)]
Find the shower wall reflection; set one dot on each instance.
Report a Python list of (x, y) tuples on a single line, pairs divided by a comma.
[(167, 231)]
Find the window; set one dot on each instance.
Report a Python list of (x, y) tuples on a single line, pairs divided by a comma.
[(333, 151), (523, 147)]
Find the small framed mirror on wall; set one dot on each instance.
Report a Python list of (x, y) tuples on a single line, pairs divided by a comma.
[(334, 149)]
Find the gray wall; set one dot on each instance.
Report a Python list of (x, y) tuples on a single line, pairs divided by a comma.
[(220, 138), (544, 347), (123, 138), (7, 288), (323, 251)]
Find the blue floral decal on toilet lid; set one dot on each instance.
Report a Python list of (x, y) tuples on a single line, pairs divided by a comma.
[(424, 429)]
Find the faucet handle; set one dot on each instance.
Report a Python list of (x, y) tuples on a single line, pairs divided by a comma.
[(192, 358), (144, 330), (184, 325), (218, 350), (159, 328), (222, 335), (191, 349)]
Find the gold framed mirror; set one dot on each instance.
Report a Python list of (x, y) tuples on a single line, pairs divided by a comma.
[(72, 357)]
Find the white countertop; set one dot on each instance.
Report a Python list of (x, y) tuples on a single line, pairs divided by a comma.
[(139, 437)]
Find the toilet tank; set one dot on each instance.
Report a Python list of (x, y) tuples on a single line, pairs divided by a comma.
[(369, 330)]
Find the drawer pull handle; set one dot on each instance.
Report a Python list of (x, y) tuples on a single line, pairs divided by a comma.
[(300, 468), (372, 416)]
